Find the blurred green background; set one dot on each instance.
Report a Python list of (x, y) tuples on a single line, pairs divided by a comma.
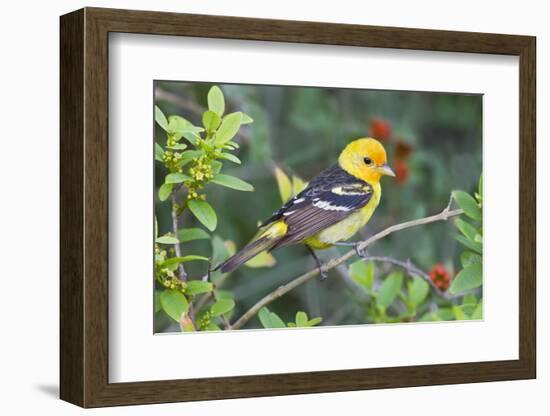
[(434, 143)]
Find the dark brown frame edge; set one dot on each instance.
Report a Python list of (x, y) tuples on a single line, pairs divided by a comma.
[(84, 207)]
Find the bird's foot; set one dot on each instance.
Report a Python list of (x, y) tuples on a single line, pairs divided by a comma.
[(360, 251), (323, 271)]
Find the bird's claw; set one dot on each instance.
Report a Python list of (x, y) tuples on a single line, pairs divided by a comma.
[(361, 252), (323, 271)]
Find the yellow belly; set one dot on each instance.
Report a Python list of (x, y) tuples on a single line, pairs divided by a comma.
[(346, 228)]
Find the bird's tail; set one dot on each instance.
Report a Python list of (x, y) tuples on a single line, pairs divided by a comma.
[(264, 240)]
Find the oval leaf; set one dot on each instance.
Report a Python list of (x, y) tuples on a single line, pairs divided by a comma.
[(298, 185), (228, 129), (232, 182), (177, 260), (468, 204), (469, 257), (159, 152), (160, 118), (204, 213), (211, 120), (174, 303), (192, 234), (222, 306), (231, 158), (301, 319), (195, 287), (283, 182), (418, 290), (177, 178), (389, 289), (363, 273), (167, 239), (264, 259), (246, 119), (165, 190), (216, 102), (466, 228), (270, 319), (468, 278)]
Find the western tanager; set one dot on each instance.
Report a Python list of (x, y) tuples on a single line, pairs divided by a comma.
[(330, 210)]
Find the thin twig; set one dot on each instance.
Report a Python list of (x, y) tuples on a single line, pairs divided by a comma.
[(281, 290), (181, 269)]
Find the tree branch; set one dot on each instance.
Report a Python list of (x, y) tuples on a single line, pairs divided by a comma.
[(181, 270), (281, 290)]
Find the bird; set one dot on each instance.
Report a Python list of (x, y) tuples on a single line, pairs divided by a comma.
[(334, 205)]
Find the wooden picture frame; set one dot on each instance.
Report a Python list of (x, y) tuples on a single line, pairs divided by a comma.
[(84, 207)]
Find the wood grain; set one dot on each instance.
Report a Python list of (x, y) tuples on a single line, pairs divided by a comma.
[(84, 206)]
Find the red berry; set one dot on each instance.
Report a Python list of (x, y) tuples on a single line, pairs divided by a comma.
[(440, 277), (380, 129)]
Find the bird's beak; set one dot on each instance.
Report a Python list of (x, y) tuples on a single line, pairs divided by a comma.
[(386, 170)]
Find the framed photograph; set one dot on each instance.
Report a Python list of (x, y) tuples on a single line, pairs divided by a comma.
[(263, 207)]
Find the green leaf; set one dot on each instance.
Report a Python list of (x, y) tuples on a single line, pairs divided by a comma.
[(192, 137), (469, 302), (195, 287), (246, 119), (363, 273), (228, 129), (468, 278), (389, 289), (211, 120), (469, 257), (222, 306), (177, 178), (188, 156), (179, 126), (458, 313), (204, 213), (216, 102), (212, 327), (174, 303), (192, 234), (284, 184), (298, 185), (160, 118), (178, 146), (270, 319), (167, 239), (165, 190), (478, 311), (301, 319), (468, 204), (216, 166), (232, 182), (159, 152), (231, 158), (466, 228), (184, 259), (418, 290), (472, 245), (263, 259), (314, 321)]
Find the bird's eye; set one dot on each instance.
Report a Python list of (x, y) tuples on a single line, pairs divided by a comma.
[(368, 161)]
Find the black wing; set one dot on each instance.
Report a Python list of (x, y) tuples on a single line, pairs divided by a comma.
[(329, 198)]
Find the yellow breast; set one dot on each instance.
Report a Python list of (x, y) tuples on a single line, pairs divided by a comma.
[(346, 228)]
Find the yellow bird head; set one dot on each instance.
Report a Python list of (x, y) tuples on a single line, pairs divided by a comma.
[(365, 159)]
